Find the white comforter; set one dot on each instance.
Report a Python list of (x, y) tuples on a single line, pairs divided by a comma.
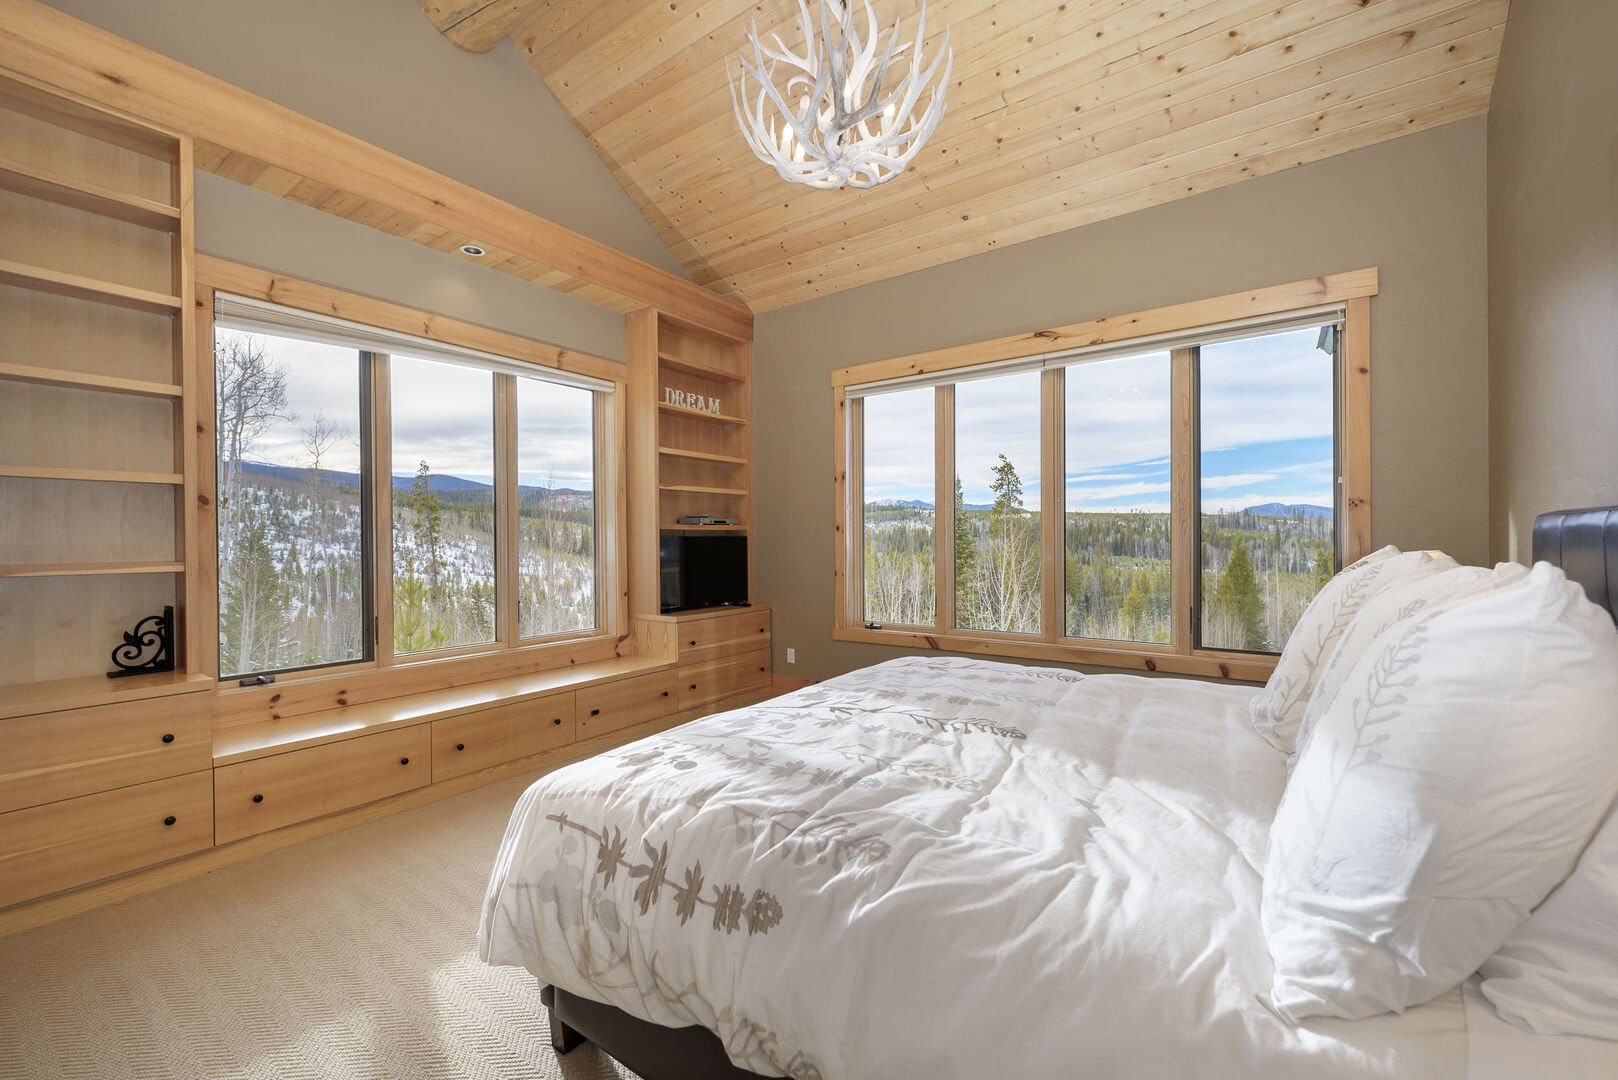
[(938, 868)]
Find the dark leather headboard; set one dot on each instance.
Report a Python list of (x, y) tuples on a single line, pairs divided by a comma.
[(1584, 543)]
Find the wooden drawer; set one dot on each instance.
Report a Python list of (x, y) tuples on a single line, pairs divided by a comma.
[(479, 740), (52, 756), (627, 702), (702, 683), (729, 635), (256, 796), (46, 849)]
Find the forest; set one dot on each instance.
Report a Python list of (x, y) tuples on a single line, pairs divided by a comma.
[(292, 578), (1260, 568)]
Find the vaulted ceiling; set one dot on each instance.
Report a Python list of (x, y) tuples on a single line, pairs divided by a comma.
[(1059, 114)]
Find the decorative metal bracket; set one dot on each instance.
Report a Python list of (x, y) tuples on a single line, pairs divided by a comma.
[(155, 632)]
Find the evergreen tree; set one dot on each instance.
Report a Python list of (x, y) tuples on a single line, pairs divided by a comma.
[(255, 609), (1325, 567), (1237, 597), (427, 526), (1137, 608), (966, 558)]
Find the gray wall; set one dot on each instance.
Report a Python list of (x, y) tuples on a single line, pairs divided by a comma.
[(1553, 265), (377, 69), (1413, 207)]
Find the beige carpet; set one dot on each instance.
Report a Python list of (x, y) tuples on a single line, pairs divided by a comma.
[(350, 956)]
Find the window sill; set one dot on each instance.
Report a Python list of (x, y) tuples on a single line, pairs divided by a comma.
[(1236, 667)]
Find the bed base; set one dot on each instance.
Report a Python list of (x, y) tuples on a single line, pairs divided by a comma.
[(651, 1050)]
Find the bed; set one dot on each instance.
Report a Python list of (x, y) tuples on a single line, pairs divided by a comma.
[(944, 867)]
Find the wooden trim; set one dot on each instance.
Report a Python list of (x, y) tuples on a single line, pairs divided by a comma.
[(194, 630), (612, 513), (640, 459), (258, 284), (1052, 504), (46, 45), (1355, 531), (37, 183), (80, 287), (202, 582), (846, 605), (381, 496), (1238, 667), (83, 380), (1184, 558), (1275, 300)]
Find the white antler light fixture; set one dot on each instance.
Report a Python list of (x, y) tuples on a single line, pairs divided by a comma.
[(827, 118)]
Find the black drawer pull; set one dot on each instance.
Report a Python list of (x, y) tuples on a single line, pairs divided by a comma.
[(170, 820), (404, 761), (761, 667), (693, 643), (258, 798), (460, 746), (665, 693), (762, 630), (693, 686), (593, 712), (168, 736), (558, 720)]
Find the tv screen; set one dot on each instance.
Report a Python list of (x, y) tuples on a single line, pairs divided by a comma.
[(703, 571)]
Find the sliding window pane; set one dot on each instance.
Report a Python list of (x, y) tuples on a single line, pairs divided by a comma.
[(898, 470), (1117, 485), (1269, 508), (291, 505), (556, 517), (997, 467), (443, 505)]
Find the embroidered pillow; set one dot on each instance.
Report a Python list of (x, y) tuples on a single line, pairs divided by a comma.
[(1445, 790), (1397, 601), (1277, 711)]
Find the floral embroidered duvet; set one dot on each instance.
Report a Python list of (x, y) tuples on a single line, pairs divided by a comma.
[(938, 868)]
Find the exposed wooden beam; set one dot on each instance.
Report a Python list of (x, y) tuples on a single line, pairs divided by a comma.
[(43, 44), (479, 25)]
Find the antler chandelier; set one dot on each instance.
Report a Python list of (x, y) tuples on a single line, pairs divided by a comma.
[(826, 118)]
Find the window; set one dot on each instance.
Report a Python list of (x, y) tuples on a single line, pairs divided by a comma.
[(996, 538), (443, 505), (484, 488), (900, 486), (1268, 518), (1210, 476), (291, 507), (556, 519)]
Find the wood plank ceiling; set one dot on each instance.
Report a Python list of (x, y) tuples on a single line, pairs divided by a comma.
[(1060, 114)]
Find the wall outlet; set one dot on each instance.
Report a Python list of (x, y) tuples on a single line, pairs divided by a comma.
[(792, 656)]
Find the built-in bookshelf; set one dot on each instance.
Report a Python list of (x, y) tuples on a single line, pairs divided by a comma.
[(98, 528), (690, 438)]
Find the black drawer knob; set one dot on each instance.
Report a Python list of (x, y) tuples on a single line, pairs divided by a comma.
[(593, 712), (665, 693), (170, 820), (692, 643), (693, 686), (761, 630), (558, 720), (258, 798), (460, 746), (404, 761), (761, 667), (168, 736)]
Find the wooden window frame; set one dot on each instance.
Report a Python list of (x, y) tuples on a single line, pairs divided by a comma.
[(457, 664), (1353, 290)]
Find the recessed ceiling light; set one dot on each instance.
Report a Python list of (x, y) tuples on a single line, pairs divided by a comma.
[(472, 250)]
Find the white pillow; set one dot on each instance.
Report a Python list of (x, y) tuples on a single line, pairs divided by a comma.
[(1399, 599), (1558, 974), (1277, 710), (1445, 790)]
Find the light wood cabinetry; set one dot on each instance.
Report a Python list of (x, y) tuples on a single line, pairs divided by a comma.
[(257, 796), (96, 253), (690, 443), (45, 849), (619, 705), (490, 737), (715, 679)]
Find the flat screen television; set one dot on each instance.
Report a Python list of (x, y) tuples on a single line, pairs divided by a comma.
[(700, 571)]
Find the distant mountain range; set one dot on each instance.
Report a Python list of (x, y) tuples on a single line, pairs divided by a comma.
[(436, 483), (1289, 510), (1271, 509)]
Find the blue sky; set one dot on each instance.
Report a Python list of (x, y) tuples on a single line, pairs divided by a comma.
[(441, 412), (1266, 430)]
